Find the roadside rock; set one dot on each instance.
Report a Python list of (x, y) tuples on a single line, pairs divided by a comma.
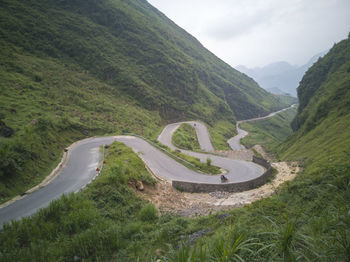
[(191, 238), (219, 194), (139, 186)]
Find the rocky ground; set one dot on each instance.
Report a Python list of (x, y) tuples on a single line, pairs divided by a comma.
[(168, 199)]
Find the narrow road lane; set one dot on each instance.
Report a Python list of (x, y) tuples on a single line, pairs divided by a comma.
[(83, 160), (235, 142), (81, 167)]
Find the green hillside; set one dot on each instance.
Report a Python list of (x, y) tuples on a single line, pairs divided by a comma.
[(72, 69), (323, 119), (135, 48), (308, 219), (270, 132)]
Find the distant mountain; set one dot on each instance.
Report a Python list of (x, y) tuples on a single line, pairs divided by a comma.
[(279, 77), (276, 90)]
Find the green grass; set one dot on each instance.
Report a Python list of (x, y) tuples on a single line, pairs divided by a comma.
[(49, 115), (220, 132), (270, 132), (105, 221), (308, 219), (74, 69), (185, 137)]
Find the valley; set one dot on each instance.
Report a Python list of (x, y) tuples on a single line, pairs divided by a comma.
[(121, 73)]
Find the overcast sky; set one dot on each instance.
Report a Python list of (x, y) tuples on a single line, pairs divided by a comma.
[(259, 32)]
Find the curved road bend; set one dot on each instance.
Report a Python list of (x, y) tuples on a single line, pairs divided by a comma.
[(83, 160), (166, 167), (79, 170), (235, 142), (201, 131)]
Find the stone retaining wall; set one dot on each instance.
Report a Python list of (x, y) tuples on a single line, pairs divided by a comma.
[(228, 187)]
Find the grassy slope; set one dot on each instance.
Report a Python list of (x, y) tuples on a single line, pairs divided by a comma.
[(323, 118), (50, 105), (71, 69), (138, 50), (308, 218), (271, 132), (105, 220), (185, 137)]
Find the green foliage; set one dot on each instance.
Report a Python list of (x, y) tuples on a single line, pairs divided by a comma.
[(208, 161), (316, 227), (148, 213), (270, 132), (134, 70), (220, 132), (190, 162), (325, 88), (324, 113), (185, 137), (85, 86)]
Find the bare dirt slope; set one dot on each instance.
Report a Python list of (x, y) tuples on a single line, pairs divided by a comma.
[(168, 199)]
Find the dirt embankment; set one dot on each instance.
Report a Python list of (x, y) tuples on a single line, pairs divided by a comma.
[(168, 199)]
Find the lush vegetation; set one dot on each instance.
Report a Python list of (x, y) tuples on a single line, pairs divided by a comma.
[(270, 132), (104, 221), (72, 69), (49, 106), (309, 218), (185, 137), (220, 132)]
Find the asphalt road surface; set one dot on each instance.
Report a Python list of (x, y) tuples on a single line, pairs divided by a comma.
[(201, 130), (79, 170), (235, 142), (169, 169), (84, 156)]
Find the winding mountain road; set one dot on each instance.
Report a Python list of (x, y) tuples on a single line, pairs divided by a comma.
[(235, 143), (83, 159)]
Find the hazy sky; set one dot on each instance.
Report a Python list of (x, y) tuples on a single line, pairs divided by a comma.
[(258, 32)]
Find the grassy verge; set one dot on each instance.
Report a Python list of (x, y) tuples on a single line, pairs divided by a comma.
[(185, 137), (105, 221), (52, 108), (269, 132), (307, 220), (220, 132), (191, 162)]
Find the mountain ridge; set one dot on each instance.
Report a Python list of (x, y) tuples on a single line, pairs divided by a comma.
[(72, 69), (280, 75)]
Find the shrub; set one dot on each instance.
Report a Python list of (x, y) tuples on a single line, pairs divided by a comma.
[(148, 213), (208, 162)]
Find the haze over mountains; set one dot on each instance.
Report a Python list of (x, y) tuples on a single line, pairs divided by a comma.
[(280, 77), (72, 69)]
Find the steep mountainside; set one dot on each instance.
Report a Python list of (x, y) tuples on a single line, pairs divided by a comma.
[(135, 48), (76, 68), (323, 119), (307, 219)]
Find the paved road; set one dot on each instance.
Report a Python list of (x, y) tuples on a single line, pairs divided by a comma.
[(84, 156), (168, 168), (79, 170), (201, 130), (235, 142), (83, 160)]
